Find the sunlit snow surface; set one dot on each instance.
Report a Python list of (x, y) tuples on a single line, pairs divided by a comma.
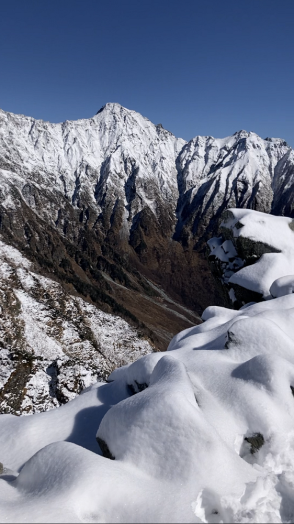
[(179, 448), (272, 231), (272, 234)]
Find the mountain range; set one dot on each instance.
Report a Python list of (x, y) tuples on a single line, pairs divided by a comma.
[(115, 199), (115, 212)]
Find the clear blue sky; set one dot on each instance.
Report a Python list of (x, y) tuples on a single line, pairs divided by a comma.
[(208, 67)]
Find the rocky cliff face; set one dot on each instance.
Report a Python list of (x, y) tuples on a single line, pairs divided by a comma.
[(238, 171), (115, 205)]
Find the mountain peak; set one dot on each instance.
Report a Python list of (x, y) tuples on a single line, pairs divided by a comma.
[(111, 106), (100, 110)]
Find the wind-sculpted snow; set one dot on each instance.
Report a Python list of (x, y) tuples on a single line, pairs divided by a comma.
[(255, 254), (282, 286), (52, 344), (203, 433)]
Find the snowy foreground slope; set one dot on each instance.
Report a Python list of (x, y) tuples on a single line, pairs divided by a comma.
[(202, 433), (53, 344)]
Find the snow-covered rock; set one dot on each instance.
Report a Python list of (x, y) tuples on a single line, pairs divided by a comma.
[(282, 286), (254, 256), (208, 440)]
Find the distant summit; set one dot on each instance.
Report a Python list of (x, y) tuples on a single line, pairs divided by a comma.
[(100, 110)]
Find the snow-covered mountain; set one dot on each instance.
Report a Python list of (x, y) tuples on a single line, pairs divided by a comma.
[(117, 187), (117, 162), (114, 210), (200, 433), (242, 170), (118, 155), (102, 228)]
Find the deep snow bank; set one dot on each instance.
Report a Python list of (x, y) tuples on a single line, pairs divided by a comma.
[(207, 437)]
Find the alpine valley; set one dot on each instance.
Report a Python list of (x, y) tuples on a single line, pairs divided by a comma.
[(103, 226)]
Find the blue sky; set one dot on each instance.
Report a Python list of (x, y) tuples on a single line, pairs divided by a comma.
[(208, 67)]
